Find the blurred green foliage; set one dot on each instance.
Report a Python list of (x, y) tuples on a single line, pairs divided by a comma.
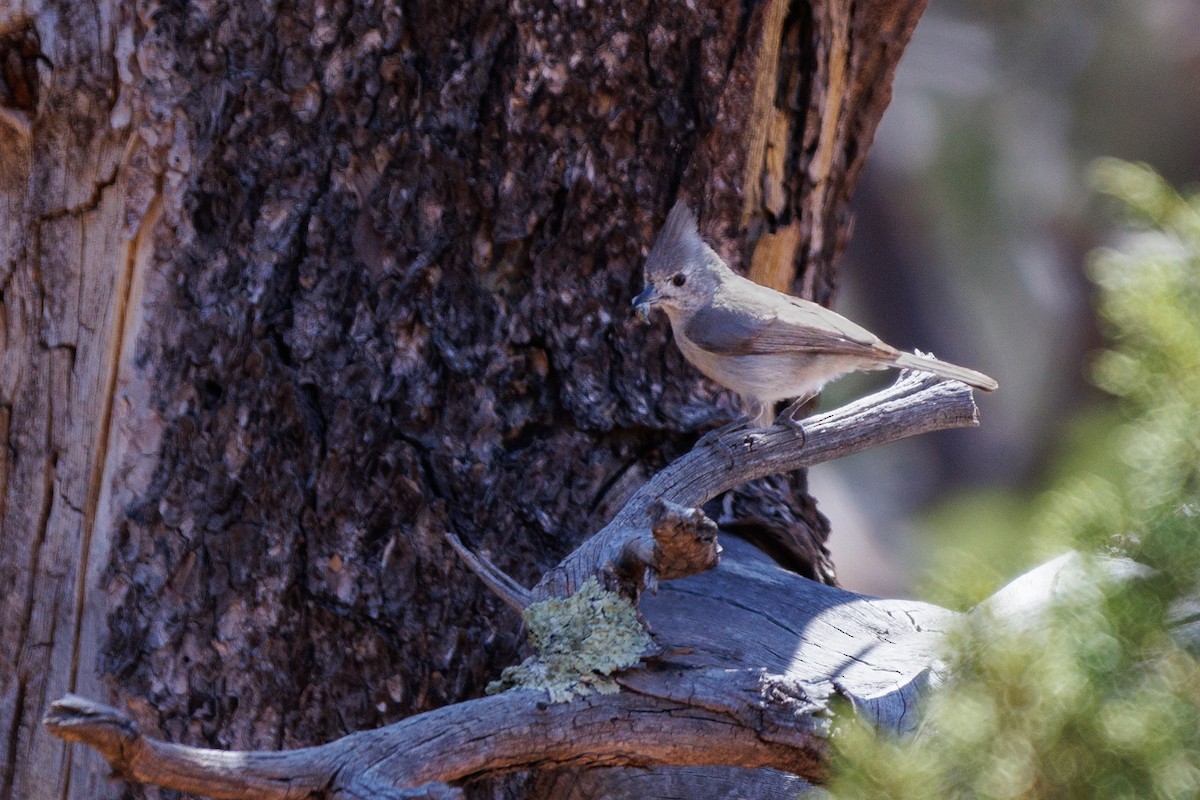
[(1099, 696)]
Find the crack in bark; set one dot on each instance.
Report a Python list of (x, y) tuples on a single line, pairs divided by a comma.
[(90, 204), (43, 524)]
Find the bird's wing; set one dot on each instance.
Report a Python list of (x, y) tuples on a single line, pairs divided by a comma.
[(795, 327)]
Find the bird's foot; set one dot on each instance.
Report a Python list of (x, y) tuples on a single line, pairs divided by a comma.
[(790, 418), (795, 425)]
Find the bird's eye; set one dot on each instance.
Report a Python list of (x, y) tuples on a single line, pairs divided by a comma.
[(680, 279)]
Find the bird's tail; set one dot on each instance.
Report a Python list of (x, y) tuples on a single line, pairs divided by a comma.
[(946, 370)]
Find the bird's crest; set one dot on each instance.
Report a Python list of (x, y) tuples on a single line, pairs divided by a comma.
[(678, 243)]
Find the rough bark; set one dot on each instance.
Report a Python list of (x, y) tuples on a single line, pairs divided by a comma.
[(290, 289)]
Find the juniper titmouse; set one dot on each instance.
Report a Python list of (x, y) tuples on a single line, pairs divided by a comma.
[(765, 345)]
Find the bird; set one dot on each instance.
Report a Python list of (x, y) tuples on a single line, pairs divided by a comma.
[(763, 344)]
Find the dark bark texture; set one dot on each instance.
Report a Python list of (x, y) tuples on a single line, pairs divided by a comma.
[(291, 289)]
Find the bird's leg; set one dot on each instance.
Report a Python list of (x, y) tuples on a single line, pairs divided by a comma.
[(791, 415)]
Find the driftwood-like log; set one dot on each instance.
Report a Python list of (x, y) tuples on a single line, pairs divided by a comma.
[(750, 653), (751, 691)]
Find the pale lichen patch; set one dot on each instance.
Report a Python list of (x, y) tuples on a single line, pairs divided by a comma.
[(580, 641)]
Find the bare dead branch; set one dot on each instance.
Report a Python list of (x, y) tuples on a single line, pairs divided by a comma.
[(916, 403), (748, 687), (631, 552), (489, 736), (214, 773), (768, 649)]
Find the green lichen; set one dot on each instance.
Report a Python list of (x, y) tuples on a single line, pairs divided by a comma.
[(580, 642)]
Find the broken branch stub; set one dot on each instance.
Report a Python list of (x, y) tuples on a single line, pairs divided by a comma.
[(681, 541), (685, 540)]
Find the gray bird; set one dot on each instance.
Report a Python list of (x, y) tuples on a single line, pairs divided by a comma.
[(765, 345)]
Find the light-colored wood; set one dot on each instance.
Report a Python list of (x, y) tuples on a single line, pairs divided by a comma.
[(774, 255), (762, 112), (77, 229)]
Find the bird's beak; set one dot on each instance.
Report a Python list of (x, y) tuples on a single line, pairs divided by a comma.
[(644, 302)]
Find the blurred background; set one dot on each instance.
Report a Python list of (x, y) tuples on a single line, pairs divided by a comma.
[(974, 222)]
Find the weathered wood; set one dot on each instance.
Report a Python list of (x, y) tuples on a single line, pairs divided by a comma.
[(493, 735), (79, 208), (760, 653), (917, 403), (756, 653)]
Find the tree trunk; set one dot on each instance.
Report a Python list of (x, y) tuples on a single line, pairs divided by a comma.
[(290, 290)]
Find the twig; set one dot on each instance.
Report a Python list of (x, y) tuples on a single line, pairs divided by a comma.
[(512, 593)]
